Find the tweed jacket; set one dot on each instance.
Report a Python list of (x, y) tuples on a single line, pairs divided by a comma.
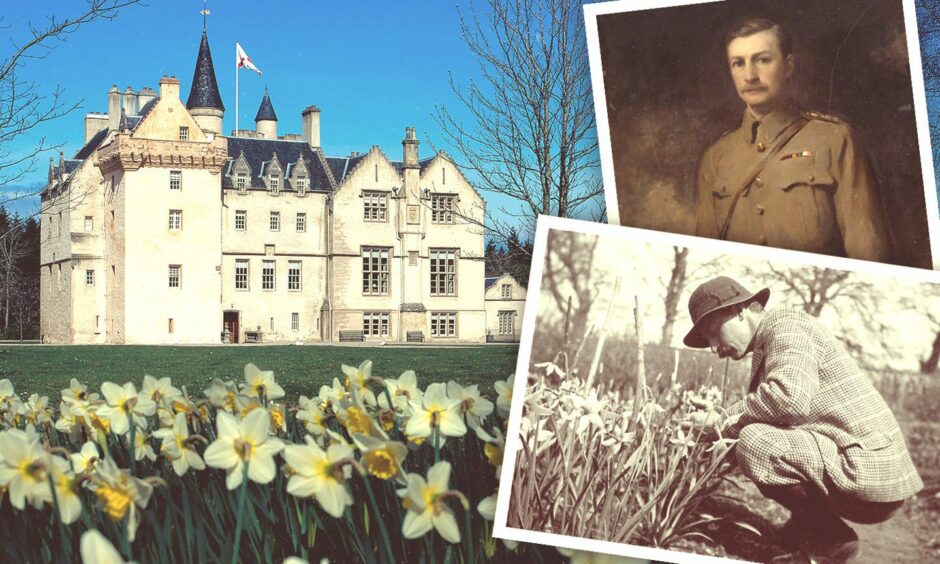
[(803, 378)]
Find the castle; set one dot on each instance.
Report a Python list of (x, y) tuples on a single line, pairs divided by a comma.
[(162, 230)]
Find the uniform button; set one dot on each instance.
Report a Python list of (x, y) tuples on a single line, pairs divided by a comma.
[(759, 181), (762, 240), (761, 210), (812, 178), (760, 147)]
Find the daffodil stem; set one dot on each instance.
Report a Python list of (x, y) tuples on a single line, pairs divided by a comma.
[(437, 444), (239, 519), (63, 533), (471, 545), (133, 446), (383, 532)]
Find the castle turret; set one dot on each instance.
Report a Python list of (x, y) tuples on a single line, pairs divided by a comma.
[(205, 103), (266, 119)]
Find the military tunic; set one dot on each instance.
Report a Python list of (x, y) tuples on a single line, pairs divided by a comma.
[(816, 194)]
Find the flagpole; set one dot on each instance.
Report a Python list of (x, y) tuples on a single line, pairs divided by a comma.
[(236, 91)]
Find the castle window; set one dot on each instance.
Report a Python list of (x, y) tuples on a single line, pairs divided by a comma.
[(507, 291), (301, 184), (241, 274), (301, 222), (275, 221), (241, 220), (375, 271), (293, 275), (184, 133), (175, 276), (267, 275), (375, 324), (176, 220), (89, 223), (443, 272), (295, 321), (89, 278), (176, 180), (442, 208), (375, 206), (506, 322), (274, 184), (170, 325), (241, 183), (444, 324)]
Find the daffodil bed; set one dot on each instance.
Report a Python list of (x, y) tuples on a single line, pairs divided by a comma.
[(593, 464), (370, 469)]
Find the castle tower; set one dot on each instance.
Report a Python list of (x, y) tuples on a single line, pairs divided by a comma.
[(205, 103), (266, 119)]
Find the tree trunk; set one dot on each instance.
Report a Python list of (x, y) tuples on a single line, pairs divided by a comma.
[(674, 290), (929, 366)]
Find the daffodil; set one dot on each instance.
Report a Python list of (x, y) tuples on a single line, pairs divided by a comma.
[(504, 394), (161, 391), (143, 448), (487, 507), (66, 490), (321, 474), (6, 390), (473, 406), (258, 382), (23, 468), (358, 379), (123, 404), (330, 396), (84, 460), (402, 391), (312, 415), (120, 494), (426, 505), (436, 410), (222, 394), (77, 392), (493, 447), (683, 441), (177, 447), (381, 457), (37, 410), (244, 442), (96, 549)]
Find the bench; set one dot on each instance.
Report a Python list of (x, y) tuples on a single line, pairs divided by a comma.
[(415, 336), (253, 336), (349, 335)]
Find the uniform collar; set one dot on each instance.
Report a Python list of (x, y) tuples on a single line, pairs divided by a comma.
[(769, 128)]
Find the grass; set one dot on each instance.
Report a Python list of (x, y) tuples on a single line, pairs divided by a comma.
[(45, 370)]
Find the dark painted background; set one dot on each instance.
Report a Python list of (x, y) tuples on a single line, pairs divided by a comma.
[(670, 95)]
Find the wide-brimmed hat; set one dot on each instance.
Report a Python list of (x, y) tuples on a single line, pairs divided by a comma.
[(713, 296)]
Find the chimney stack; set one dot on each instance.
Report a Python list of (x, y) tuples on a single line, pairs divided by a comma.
[(114, 108), (145, 95), (410, 148), (130, 102), (310, 118), (94, 123), (169, 88)]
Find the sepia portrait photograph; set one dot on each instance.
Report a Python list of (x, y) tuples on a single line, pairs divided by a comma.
[(794, 124), (677, 396)]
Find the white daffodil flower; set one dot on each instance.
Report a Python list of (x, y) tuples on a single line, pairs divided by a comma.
[(436, 410), (23, 467), (261, 381), (473, 406), (425, 502), (175, 446), (124, 403), (160, 390), (96, 549), (321, 474), (358, 379), (504, 394), (244, 442)]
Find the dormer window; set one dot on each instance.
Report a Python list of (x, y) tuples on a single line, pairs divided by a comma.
[(184, 133), (442, 208), (274, 184), (301, 184), (241, 183)]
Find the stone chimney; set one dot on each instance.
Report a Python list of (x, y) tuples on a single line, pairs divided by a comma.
[(310, 118), (93, 124), (130, 102), (410, 148), (114, 108), (145, 95), (266, 119), (169, 88)]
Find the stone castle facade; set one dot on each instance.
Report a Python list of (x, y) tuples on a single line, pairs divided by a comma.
[(162, 230)]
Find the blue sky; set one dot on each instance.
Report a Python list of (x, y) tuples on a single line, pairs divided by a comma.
[(372, 67)]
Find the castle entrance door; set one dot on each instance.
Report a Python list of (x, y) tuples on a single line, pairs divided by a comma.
[(230, 323)]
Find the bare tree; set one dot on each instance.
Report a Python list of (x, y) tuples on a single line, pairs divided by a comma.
[(674, 289), (25, 105), (569, 277), (532, 134), (14, 247)]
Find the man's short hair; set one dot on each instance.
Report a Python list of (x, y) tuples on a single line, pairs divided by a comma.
[(748, 26)]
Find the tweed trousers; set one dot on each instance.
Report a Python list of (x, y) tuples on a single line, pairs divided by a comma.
[(812, 416)]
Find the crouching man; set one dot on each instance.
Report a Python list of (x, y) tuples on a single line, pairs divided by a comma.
[(814, 434)]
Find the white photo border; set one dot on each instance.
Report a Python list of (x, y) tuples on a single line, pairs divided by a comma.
[(592, 11), (739, 250)]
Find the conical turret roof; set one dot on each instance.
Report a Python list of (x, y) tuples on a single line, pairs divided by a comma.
[(205, 91), (266, 110)]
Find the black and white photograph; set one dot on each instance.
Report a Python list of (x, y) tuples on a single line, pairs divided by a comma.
[(690, 397), (796, 124)]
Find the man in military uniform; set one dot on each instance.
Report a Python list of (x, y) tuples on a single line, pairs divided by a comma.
[(786, 178), (813, 432)]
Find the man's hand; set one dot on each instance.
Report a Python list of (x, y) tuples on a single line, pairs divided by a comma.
[(705, 423)]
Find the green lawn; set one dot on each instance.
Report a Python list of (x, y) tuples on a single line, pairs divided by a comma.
[(45, 369)]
